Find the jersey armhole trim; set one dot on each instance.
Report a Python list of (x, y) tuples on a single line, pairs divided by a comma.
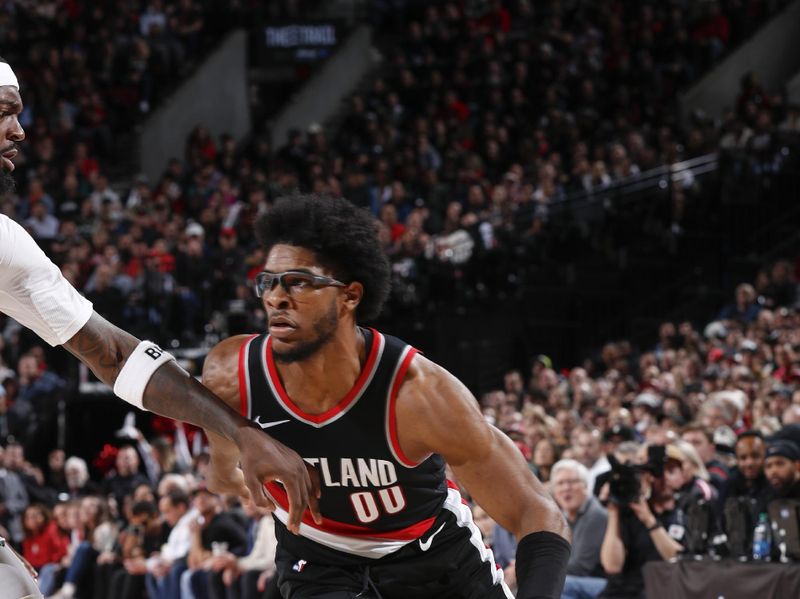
[(391, 417)]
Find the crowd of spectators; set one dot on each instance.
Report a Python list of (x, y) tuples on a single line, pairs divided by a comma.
[(459, 148), (723, 400)]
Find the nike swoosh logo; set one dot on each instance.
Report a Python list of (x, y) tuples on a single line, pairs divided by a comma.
[(425, 545), (269, 424)]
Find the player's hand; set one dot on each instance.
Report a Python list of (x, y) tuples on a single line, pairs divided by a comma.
[(264, 459)]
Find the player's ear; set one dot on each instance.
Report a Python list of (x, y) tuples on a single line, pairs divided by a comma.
[(353, 293)]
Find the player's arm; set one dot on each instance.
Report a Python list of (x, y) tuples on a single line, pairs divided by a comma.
[(224, 475), (437, 414)]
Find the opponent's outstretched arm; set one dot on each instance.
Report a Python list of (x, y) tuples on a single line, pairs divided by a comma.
[(171, 392), (436, 413), (36, 294)]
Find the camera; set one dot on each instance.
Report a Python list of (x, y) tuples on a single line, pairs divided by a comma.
[(624, 482)]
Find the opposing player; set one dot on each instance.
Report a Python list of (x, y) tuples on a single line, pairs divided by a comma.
[(33, 291), (379, 421)]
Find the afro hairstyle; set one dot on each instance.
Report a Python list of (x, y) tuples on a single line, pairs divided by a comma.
[(343, 237)]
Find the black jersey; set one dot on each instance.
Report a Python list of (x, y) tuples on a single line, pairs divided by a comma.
[(374, 499)]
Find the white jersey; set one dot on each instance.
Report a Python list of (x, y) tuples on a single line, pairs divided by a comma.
[(34, 292)]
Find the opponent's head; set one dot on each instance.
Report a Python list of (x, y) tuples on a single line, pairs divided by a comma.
[(331, 268), (11, 131)]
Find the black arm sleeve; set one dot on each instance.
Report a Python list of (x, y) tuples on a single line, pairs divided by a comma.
[(542, 559)]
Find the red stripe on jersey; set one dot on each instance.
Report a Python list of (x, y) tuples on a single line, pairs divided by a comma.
[(398, 380), (244, 392), (455, 487), (409, 533), (365, 375)]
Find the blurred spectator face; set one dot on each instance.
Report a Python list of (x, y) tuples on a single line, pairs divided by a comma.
[(791, 415), (704, 447), (170, 512), (750, 457), (714, 416), (14, 458), (570, 490), (143, 493), (206, 503), (544, 454), (61, 516), (76, 473), (781, 472), (513, 382), (55, 461), (34, 519), (127, 462), (778, 402), (674, 475), (587, 447), (28, 367), (88, 510)]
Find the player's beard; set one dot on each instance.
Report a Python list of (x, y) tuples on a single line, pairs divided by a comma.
[(324, 328), (7, 183)]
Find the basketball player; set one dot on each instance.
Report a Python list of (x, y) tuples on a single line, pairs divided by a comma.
[(379, 421), (33, 291)]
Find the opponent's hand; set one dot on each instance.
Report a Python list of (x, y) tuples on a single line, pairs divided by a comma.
[(264, 459)]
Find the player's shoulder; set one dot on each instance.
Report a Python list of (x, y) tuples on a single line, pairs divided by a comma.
[(224, 352), (222, 362), (426, 381)]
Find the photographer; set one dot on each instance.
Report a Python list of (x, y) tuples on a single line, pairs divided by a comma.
[(644, 523)]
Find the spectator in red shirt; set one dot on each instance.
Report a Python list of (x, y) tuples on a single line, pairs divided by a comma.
[(44, 545)]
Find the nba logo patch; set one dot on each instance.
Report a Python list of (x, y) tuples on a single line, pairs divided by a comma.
[(298, 567)]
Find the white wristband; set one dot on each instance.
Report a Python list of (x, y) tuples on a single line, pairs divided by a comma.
[(139, 367)]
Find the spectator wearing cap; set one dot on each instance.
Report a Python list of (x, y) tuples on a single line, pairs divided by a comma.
[(646, 406), (702, 439), (587, 520), (747, 479), (616, 434), (782, 469)]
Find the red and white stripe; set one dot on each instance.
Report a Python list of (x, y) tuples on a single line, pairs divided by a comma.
[(349, 538)]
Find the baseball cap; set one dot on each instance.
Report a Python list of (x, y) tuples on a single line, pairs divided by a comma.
[(651, 400), (672, 452), (779, 389), (783, 448), (625, 433), (725, 439), (228, 232), (195, 230)]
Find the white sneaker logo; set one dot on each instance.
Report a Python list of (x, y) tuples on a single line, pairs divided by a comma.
[(425, 545), (269, 424)]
